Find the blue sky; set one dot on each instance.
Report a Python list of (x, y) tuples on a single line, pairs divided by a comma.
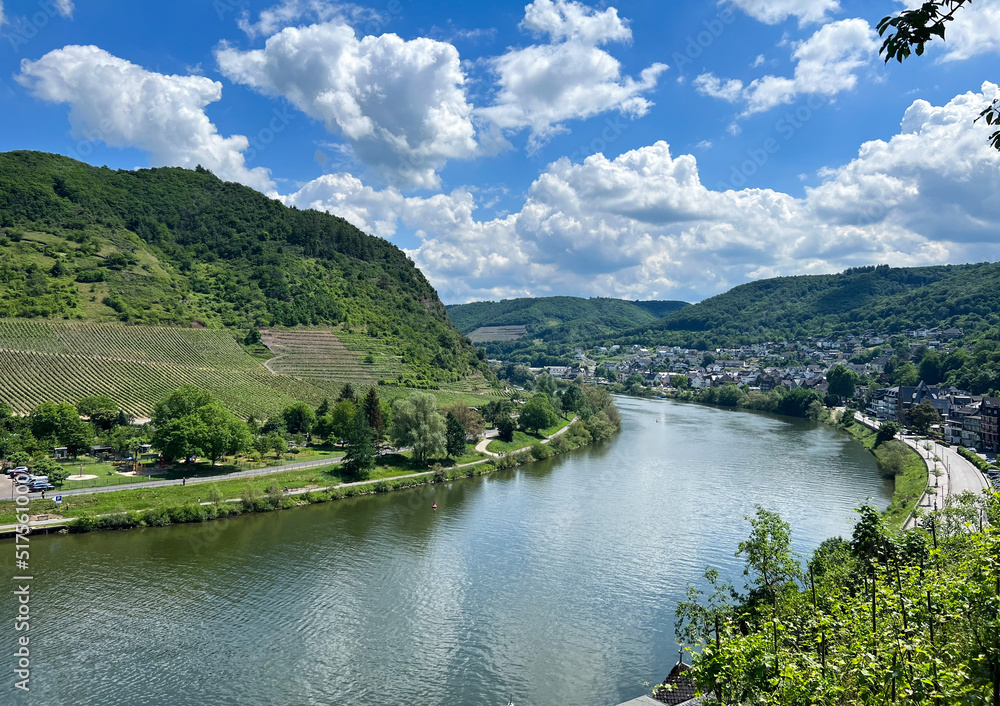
[(630, 149)]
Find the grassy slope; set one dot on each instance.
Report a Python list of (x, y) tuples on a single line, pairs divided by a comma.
[(882, 299)]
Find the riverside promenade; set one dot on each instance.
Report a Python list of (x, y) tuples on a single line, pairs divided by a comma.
[(954, 475)]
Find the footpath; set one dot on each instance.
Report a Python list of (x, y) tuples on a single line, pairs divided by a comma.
[(481, 447), (954, 474)]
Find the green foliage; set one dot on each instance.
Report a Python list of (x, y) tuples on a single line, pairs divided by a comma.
[(61, 424), (923, 416), (883, 619), (361, 453), (886, 432), (299, 418), (190, 422), (505, 429), (454, 436), (416, 423), (537, 413), (843, 382)]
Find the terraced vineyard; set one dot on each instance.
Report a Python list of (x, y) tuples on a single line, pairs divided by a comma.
[(323, 355), (136, 366)]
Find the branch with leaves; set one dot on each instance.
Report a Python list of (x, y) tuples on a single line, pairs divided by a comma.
[(908, 33)]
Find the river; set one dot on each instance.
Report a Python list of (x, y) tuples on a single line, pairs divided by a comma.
[(551, 584)]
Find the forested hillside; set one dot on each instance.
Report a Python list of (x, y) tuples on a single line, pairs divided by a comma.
[(556, 324), (880, 299), (178, 247)]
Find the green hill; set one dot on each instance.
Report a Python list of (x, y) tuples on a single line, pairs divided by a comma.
[(175, 247), (879, 299), (563, 319)]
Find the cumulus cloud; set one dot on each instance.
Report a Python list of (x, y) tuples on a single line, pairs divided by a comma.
[(569, 77), (123, 105), (400, 105), (825, 64), (974, 31), (775, 11), (644, 225)]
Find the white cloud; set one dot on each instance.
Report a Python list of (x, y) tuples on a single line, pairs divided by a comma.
[(64, 8), (825, 64), (711, 85), (291, 12), (124, 105), (775, 11), (400, 105), (544, 85), (3, 17), (643, 225), (974, 31)]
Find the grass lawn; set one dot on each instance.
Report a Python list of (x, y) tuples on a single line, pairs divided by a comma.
[(909, 486), (106, 472), (522, 439), (390, 466)]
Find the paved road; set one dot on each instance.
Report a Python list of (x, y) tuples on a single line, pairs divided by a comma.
[(6, 492), (957, 475)]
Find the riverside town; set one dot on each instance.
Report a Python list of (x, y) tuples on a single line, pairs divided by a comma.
[(535, 353)]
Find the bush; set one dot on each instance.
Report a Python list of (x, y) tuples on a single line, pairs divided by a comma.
[(540, 452), (973, 459), (84, 523), (892, 458), (155, 517)]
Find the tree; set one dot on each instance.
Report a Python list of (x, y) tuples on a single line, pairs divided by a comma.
[(347, 393), (931, 368), (537, 413), (58, 475), (323, 409), (361, 452), (497, 409), (505, 429), (769, 560), (60, 423), (341, 420), (372, 407), (886, 432), (454, 436), (277, 443), (573, 399), (416, 423), (923, 416), (471, 420), (843, 382), (910, 30), (299, 418), (224, 432), (126, 440), (191, 422)]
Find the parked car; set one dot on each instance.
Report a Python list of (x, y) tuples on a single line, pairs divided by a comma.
[(28, 479), (16, 471), (40, 485)]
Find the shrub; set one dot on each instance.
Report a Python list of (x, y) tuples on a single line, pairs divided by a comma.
[(155, 517), (540, 452)]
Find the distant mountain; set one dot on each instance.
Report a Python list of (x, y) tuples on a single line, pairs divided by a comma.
[(176, 247), (879, 299), (559, 322)]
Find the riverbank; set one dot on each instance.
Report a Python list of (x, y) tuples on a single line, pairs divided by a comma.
[(909, 485), (178, 504)]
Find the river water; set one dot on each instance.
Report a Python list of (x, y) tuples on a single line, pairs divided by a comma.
[(552, 584)]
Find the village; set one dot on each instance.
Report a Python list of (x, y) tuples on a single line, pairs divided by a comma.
[(966, 419)]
